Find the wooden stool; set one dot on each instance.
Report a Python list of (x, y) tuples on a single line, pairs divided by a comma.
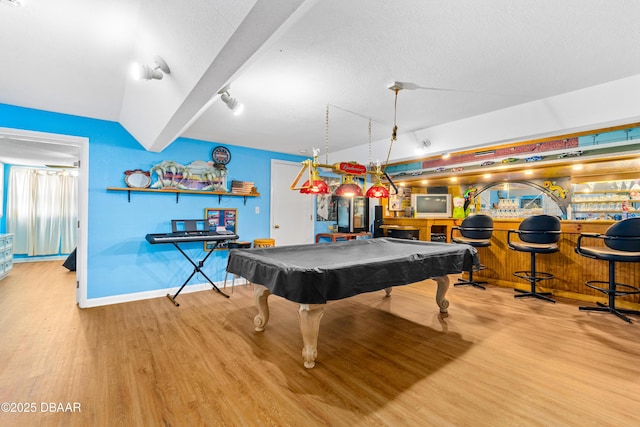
[(264, 243)]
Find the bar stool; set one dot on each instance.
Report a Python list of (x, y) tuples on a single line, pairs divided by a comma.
[(538, 234), (235, 245), (475, 230), (264, 243), (622, 244)]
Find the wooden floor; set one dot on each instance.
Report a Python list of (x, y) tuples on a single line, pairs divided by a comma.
[(493, 361)]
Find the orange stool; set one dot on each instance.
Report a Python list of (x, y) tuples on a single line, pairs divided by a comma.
[(264, 243)]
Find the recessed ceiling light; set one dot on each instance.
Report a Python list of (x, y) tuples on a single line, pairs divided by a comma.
[(487, 175), (528, 172), (576, 167)]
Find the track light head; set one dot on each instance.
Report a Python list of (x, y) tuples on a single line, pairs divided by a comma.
[(14, 3), (145, 72), (234, 105), (423, 146)]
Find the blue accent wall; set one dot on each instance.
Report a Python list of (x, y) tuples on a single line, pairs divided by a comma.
[(120, 261)]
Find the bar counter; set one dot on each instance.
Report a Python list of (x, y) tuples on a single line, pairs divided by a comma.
[(570, 269)]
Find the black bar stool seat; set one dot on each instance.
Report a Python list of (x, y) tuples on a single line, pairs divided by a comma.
[(621, 244), (476, 231), (538, 234)]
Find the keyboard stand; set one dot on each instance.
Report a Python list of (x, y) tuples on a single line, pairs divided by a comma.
[(197, 268)]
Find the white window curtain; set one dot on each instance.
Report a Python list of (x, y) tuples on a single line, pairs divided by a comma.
[(42, 210)]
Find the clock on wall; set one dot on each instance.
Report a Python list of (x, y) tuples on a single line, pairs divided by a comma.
[(221, 155)]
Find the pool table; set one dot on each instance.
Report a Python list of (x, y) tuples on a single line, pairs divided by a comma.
[(312, 274)]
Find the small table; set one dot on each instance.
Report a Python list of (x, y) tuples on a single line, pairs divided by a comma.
[(341, 236), (312, 275)]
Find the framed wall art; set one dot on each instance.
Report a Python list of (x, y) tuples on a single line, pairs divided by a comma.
[(220, 220)]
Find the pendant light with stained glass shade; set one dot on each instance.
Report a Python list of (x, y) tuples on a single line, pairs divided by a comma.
[(377, 190), (314, 183), (348, 188)]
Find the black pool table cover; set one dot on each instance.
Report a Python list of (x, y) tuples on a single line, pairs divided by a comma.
[(317, 273)]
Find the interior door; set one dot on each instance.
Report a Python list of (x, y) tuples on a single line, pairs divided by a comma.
[(291, 212), (41, 146)]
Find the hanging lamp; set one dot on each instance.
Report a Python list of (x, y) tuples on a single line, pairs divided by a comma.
[(314, 184), (348, 188), (377, 190)]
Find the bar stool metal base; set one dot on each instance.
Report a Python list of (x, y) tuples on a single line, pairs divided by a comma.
[(533, 278), (471, 282), (612, 292)]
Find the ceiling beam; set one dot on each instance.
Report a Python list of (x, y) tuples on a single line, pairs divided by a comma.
[(260, 27)]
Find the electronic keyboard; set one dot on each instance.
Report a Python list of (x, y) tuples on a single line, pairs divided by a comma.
[(190, 236)]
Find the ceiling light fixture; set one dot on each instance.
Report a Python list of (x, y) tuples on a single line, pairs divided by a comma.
[(349, 171), (234, 105), (14, 3), (145, 72), (315, 184), (348, 188), (377, 190), (423, 146)]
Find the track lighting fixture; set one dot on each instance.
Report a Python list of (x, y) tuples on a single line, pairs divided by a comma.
[(423, 146), (145, 72), (233, 104), (14, 3)]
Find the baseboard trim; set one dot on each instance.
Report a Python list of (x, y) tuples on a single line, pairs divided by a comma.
[(156, 293), (41, 258)]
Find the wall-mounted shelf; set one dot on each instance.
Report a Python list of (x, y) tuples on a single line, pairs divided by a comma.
[(604, 192), (607, 201), (177, 192)]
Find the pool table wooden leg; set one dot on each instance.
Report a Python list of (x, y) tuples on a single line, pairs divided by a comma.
[(260, 295), (309, 316), (443, 287)]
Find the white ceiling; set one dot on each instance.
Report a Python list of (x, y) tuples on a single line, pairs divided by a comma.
[(286, 60)]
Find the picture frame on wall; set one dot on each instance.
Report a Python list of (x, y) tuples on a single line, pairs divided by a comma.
[(220, 219), (326, 203)]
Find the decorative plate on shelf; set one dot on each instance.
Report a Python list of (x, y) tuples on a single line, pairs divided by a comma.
[(137, 178), (221, 155)]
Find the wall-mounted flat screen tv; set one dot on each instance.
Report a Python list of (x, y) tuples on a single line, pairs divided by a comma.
[(431, 205)]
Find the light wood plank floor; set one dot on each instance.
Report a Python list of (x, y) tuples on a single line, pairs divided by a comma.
[(493, 361)]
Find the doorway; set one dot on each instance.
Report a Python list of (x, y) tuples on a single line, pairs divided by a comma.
[(291, 212), (47, 148)]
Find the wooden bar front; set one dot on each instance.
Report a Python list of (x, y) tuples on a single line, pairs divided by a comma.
[(570, 269)]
